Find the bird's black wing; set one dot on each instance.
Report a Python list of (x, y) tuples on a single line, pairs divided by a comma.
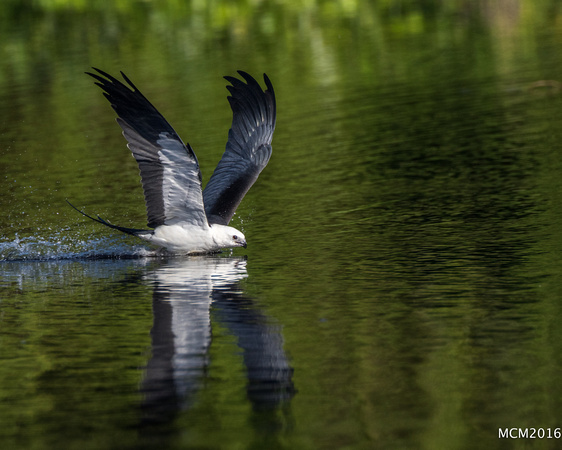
[(169, 169), (248, 148)]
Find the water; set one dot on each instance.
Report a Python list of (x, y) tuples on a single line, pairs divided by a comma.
[(401, 286)]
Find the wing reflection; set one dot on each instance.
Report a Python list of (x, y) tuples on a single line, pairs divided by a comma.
[(184, 291), (269, 373)]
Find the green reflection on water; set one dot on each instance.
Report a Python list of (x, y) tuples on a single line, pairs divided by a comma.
[(405, 234), (59, 378)]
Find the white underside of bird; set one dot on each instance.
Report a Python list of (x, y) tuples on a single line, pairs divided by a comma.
[(189, 239)]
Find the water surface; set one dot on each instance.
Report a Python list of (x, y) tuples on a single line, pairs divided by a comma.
[(401, 287)]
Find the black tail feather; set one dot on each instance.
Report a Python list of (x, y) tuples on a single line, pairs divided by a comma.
[(132, 231)]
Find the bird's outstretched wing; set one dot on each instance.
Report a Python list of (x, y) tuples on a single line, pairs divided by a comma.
[(248, 148), (169, 169)]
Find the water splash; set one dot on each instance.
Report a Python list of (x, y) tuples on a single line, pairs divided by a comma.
[(60, 247)]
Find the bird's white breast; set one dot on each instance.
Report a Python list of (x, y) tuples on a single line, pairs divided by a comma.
[(184, 238)]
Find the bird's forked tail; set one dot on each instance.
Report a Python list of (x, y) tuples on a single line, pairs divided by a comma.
[(132, 231)]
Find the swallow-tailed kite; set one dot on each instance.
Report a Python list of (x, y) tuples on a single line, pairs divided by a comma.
[(185, 218)]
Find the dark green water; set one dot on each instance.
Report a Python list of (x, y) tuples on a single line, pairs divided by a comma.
[(402, 285)]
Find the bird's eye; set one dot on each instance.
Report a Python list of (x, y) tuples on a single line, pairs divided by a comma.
[(235, 237)]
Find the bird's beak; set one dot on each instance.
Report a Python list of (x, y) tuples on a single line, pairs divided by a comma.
[(245, 245)]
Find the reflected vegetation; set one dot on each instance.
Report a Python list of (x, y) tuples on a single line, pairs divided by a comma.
[(190, 298)]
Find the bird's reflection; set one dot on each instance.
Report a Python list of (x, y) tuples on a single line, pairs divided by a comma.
[(185, 291)]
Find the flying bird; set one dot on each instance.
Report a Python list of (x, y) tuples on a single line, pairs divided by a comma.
[(182, 216)]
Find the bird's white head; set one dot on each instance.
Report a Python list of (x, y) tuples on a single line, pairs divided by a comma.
[(226, 237)]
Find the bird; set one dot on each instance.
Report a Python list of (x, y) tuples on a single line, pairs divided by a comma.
[(183, 218)]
